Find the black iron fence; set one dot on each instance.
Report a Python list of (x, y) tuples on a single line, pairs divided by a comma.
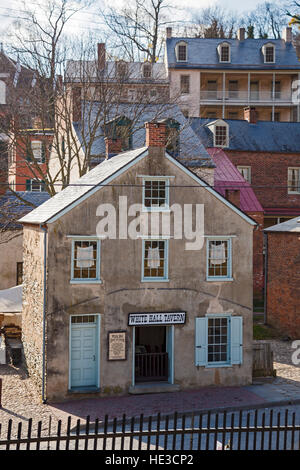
[(151, 367), (255, 430)]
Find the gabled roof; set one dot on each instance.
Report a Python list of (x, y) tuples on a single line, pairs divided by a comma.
[(192, 151), (227, 176), (265, 136), (84, 187), (292, 225), (247, 54), (101, 176)]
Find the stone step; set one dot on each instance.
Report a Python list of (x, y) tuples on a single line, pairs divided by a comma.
[(153, 387)]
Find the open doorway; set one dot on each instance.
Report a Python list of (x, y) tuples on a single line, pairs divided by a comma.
[(151, 354)]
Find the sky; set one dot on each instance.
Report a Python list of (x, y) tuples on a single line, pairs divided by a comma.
[(10, 11)]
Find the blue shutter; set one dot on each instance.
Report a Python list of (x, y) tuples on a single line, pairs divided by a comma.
[(201, 341), (236, 340)]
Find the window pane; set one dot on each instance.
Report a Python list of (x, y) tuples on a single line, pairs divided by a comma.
[(218, 258), (221, 135), (155, 194), (154, 259)]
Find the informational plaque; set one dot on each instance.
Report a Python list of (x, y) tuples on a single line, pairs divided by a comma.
[(117, 345)]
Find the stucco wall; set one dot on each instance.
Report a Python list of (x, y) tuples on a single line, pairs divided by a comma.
[(122, 291)]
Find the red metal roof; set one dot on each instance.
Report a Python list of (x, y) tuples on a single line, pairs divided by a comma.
[(227, 176)]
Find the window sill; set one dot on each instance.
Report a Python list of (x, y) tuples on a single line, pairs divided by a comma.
[(220, 279), (156, 209), (155, 280), (214, 366), (88, 281)]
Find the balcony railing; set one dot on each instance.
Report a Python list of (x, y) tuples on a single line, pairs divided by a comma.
[(244, 96), (151, 367)]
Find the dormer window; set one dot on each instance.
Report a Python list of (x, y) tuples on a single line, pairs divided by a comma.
[(269, 53), (147, 70), (121, 69), (220, 131), (224, 52), (181, 52)]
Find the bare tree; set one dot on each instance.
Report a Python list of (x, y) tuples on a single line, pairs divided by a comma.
[(268, 20), (137, 29)]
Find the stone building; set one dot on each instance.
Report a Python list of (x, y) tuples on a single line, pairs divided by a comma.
[(110, 309), (283, 277)]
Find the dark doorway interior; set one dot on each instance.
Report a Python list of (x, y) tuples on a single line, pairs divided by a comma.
[(151, 357)]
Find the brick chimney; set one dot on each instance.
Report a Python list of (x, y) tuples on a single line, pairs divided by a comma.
[(101, 56), (169, 32), (156, 134), (76, 103), (287, 34), (250, 115), (241, 34), (112, 146), (233, 196)]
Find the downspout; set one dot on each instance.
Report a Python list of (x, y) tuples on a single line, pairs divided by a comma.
[(266, 276), (44, 399)]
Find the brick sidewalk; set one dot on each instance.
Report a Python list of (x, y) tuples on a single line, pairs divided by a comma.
[(165, 403)]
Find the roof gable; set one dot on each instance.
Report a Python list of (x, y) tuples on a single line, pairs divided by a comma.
[(99, 177)]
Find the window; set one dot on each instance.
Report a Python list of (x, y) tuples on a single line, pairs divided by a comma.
[(219, 262), (122, 69), (155, 260), (224, 52), (212, 89), (221, 137), (37, 149), (294, 180), (147, 70), (19, 279), (184, 84), (218, 340), (269, 54), (233, 89), (233, 115), (85, 261), (181, 52), (35, 185), (245, 172), (156, 194)]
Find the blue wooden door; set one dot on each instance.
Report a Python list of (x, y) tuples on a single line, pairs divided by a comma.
[(84, 351)]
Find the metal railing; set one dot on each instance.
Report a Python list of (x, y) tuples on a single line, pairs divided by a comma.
[(253, 96), (254, 430), (151, 366)]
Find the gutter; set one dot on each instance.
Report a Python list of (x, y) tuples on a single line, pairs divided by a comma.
[(44, 399)]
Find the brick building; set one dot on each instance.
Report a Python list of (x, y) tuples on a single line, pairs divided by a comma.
[(283, 277), (229, 182)]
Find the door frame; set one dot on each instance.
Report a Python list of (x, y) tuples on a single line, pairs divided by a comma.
[(97, 349), (169, 329)]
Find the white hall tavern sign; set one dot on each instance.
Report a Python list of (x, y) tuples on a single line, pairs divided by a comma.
[(155, 318)]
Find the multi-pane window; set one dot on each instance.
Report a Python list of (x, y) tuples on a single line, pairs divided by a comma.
[(225, 53), (219, 259), (156, 194), (221, 136), (181, 52), (83, 319), (155, 260), (85, 260), (37, 150), (294, 180), (218, 340), (269, 54), (35, 185), (245, 172), (184, 84)]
